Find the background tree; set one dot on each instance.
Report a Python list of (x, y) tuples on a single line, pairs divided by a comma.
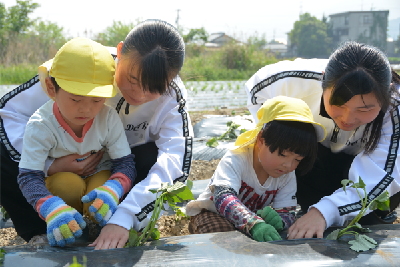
[(309, 35), (17, 16), (49, 36), (25, 40), (198, 36), (257, 42), (115, 33)]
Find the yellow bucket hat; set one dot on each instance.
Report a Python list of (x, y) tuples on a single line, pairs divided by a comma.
[(281, 108), (82, 67)]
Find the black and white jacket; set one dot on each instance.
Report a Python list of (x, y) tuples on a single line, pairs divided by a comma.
[(164, 121), (379, 170)]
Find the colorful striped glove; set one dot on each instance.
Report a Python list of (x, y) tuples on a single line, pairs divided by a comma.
[(106, 199), (64, 223), (270, 216), (263, 232)]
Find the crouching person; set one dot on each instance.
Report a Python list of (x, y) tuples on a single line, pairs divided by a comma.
[(76, 121), (259, 173)]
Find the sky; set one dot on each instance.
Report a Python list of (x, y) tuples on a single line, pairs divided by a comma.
[(239, 19)]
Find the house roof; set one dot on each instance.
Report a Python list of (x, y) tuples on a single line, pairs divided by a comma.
[(214, 36), (367, 11)]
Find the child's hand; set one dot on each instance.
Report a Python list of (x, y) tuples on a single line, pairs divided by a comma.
[(111, 236), (64, 223), (68, 163), (106, 199), (270, 216), (263, 232)]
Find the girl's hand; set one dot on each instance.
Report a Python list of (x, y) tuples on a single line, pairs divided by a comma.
[(69, 163), (111, 236), (307, 226)]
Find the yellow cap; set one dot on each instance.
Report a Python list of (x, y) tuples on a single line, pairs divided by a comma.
[(84, 67), (281, 108)]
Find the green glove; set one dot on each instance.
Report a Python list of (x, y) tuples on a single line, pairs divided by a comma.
[(263, 232), (271, 217)]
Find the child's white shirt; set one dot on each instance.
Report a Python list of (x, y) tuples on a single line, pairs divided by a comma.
[(47, 135), (236, 171)]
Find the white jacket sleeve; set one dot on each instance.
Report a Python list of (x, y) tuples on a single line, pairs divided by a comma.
[(174, 142), (379, 171), (299, 79)]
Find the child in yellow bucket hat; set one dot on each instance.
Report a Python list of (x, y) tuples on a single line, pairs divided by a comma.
[(260, 171), (76, 121)]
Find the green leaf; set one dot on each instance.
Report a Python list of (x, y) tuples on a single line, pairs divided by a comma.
[(243, 131), (384, 205), (171, 201), (361, 182), (174, 189), (233, 112), (381, 202), (373, 205), (133, 237), (185, 194), (383, 197), (358, 227), (164, 187), (229, 123), (362, 243), (344, 183), (189, 184), (2, 255), (154, 191), (212, 142), (76, 264), (333, 235), (155, 234)]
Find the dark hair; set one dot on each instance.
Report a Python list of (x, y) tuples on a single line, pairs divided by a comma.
[(358, 69), (158, 50), (294, 136), (56, 86)]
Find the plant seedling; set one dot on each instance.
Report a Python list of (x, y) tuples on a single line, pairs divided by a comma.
[(361, 242), (212, 142), (171, 194), (5, 214), (2, 255), (228, 135), (76, 264)]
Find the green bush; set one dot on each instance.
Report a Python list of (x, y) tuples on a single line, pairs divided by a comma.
[(17, 74), (232, 62)]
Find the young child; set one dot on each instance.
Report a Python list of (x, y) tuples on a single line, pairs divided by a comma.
[(260, 171), (76, 121)]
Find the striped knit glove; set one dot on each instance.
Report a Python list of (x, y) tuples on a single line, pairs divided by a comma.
[(263, 232), (271, 217), (106, 199), (64, 223)]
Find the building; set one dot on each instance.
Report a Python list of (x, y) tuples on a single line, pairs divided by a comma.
[(216, 40), (368, 27), (277, 48)]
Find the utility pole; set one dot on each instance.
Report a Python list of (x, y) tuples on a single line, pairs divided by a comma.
[(177, 19), (301, 8)]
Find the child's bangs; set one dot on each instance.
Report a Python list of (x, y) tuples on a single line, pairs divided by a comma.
[(293, 136)]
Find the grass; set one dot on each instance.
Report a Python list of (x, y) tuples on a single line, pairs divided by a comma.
[(17, 74)]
